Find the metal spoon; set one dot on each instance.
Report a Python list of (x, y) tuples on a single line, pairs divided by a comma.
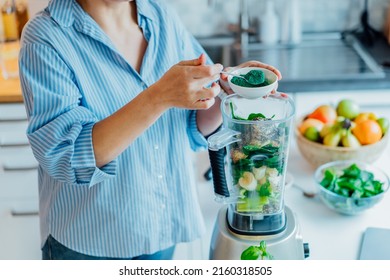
[(242, 77), (306, 193)]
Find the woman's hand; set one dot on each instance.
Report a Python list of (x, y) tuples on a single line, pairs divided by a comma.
[(253, 63), (184, 85)]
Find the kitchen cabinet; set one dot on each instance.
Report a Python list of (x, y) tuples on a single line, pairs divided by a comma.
[(19, 222)]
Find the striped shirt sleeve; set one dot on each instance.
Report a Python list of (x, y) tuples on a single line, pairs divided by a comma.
[(60, 129)]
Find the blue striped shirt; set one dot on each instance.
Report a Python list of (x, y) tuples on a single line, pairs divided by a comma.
[(72, 76)]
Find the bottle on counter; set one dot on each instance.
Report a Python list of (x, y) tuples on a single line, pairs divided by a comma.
[(269, 24), (291, 30), (10, 23), (22, 15)]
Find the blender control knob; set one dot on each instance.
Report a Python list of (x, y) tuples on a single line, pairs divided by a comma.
[(306, 250)]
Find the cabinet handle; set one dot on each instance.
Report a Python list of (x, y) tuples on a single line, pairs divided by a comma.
[(22, 168), (20, 144), (16, 119), (16, 213)]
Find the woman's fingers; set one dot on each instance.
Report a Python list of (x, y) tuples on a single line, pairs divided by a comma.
[(208, 93), (255, 63), (201, 60)]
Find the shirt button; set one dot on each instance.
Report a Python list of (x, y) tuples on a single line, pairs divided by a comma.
[(156, 147), (162, 206), (160, 176)]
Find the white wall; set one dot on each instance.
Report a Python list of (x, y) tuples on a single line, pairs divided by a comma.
[(35, 6)]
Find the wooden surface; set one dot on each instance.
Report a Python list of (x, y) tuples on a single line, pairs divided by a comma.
[(10, 90)]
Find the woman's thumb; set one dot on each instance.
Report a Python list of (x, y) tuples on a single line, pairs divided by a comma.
[(201, 60)]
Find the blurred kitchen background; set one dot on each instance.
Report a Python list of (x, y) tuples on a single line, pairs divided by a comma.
[(212, 17), (326, 50)]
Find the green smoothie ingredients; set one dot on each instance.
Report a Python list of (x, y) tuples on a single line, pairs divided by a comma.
[(251, 116), (256, 78), (256, 252), (351, 182), (258, 165)]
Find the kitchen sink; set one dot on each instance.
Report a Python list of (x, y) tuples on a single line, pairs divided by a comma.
[(316, 58)]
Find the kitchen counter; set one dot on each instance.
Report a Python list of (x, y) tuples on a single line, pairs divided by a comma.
[(379, 52), (10, 90)]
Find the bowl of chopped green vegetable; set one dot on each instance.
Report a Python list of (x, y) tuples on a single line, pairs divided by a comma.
[(350, 187), (255, 82)]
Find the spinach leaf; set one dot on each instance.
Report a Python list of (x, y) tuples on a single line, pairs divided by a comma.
[(255, 116), (351, 182)]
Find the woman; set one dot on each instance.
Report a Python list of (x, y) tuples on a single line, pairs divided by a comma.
[(117, 94)]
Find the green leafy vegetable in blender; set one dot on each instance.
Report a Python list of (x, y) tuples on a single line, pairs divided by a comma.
[(251, 117), (351, 182), (257, 171), (256, 78), (256, 252)]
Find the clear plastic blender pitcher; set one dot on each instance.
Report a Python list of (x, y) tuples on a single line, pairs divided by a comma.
[(255, 140)]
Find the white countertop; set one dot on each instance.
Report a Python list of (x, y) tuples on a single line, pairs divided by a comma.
[(331, 236)]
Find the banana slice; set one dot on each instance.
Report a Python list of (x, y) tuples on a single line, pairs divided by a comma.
[(248, 181), (272, 172), (274, 181), (259, 172)]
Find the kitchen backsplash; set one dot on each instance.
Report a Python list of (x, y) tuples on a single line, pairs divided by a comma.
[(209, 17)]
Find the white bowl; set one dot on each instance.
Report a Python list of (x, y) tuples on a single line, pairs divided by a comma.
[(254, 92)]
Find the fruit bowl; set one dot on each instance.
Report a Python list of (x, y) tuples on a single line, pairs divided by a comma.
[(345, 196), (254, 92), (317, 154)]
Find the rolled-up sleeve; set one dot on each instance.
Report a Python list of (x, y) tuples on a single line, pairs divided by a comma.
[(197, 141), (60, 127)]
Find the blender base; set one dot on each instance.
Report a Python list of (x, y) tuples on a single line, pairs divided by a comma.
[(286, 245)]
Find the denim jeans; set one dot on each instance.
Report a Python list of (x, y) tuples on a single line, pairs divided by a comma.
[(54, 250)]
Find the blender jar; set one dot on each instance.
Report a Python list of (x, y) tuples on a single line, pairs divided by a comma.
[(255, 140)]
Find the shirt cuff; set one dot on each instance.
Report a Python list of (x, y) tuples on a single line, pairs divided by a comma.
[(84, 162)]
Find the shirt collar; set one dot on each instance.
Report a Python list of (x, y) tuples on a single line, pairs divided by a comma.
[(144, 9), (62, 11)]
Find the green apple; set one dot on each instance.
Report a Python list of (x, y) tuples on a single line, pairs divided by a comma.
[(348, 108), (312, 134), (384, 124)]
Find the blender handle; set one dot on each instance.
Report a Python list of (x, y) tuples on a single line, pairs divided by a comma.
[(217, 162)]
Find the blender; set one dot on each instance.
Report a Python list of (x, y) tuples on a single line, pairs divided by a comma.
[(250, 182)]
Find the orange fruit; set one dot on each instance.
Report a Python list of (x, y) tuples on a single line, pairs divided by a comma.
[(367, 131), (324, 113), (310, 123), (365, 116)]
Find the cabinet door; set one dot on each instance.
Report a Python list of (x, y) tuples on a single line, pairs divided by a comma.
[(12, 112), (19, 230)]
